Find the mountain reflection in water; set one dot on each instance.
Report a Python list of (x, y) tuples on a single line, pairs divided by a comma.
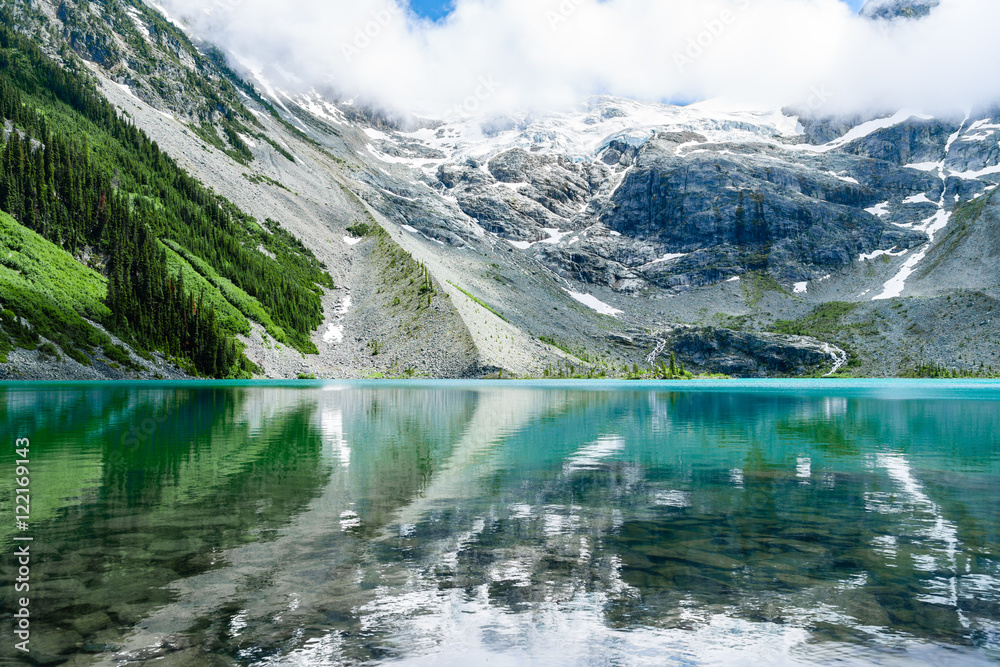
[(434, 523)]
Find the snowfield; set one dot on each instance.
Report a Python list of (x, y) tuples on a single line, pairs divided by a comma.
[(594, 303)]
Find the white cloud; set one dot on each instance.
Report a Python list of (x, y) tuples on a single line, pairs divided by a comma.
[(548, 53)]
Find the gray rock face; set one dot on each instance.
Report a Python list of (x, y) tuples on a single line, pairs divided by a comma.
[(968, 256), (740, 354), (748, 211), (673, 208), (556, 183), (86, 38), (517, 194), (898, 9), (823, 129), (914, 141)]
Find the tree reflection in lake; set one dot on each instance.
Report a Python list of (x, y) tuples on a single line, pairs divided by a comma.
[(436, 524)]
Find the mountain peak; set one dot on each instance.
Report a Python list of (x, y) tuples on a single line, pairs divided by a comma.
[(897, 9)]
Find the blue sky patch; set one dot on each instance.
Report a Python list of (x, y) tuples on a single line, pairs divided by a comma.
[(432, 9)]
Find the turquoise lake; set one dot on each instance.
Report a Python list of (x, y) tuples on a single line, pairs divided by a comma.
[(467, 523)]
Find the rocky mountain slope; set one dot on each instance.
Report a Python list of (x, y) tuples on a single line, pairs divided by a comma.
[(596, 240), (894, 9)]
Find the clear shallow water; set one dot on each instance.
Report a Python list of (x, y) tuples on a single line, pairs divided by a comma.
[(553, 524)]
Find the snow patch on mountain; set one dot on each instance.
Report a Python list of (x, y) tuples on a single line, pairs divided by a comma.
[(865, 129), (594, 303), (879, 210), (335, 332), (133, 14), (931, 226), (582, 134), (976, 175), (315, 104), (863, 257), (669, 257)]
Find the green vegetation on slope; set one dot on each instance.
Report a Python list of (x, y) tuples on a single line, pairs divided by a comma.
[(229, 298), (180, 264), (479, 302), (927, 369), (406, 278), (88, 181), (52, 292), (824, 321), (756, 284), (827, 322)]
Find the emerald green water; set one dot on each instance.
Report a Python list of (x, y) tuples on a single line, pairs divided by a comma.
[(757, 523)]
